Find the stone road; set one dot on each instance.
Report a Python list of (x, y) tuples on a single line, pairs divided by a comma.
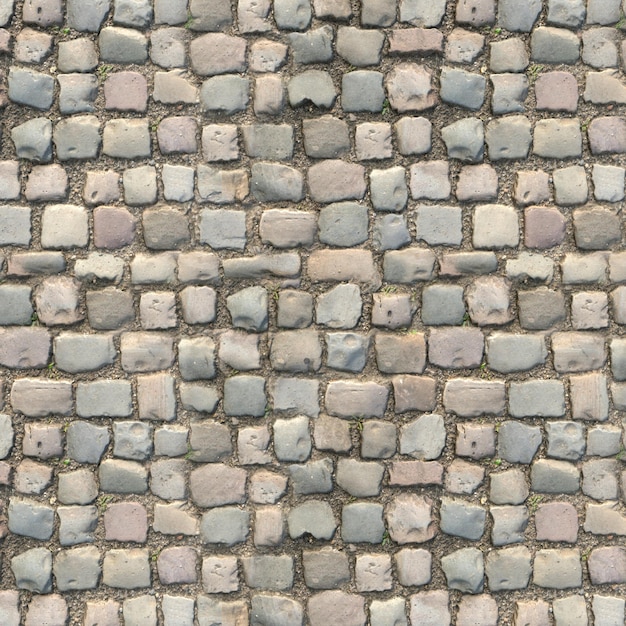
[(312, 312)]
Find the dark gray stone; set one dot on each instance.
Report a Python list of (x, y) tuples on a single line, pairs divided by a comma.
[(86, 442), (33, 570), (359, 47), (312, 86), (271, 182), (226, 94), (462, 88), (313, 517), (442, 305), (312, 477), (549, 476), (117, 476), (31, 88), (554, 45), (343, 224), (31, 519), (518, 17), (518, 443), (566, 440), (508, 569), (462, 519), (226, 525), (122, 45), (244, 395), (362, 522), (33, 140), (464, 570), (362, 90), (89, 17), (314, 46), (464, 140)]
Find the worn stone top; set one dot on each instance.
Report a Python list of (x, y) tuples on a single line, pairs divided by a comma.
[(311, 312)]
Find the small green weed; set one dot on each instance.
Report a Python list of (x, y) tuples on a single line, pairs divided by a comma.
[(104, 71), (104, 501), (386, 541), (358, 423), (484, 370), (34, 319), (534, 501), (386, 110), (533, 72)]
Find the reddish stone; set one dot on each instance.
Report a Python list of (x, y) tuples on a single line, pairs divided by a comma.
[(481, 609), (607, 565), (414, 393), (50, 609), (556, 521), (177, 565), (410, 473), (544, 227), (477, 183), (420, 41), (177, 134), (113, 227), (607, 134), (535, 613), (126, 521), (126, 91), (557, 91)]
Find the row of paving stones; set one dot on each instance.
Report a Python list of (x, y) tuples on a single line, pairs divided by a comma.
[(407, 518), (293, 439), (390, 190), (296, 14), (507, 569), (430, 607), (338, 224), (327, 137), (218, 53), (361, 91), (410, 266), (212, 15), (448, 348), (338, 308)]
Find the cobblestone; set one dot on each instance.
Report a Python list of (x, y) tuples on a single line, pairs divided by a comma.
[(392, 273)]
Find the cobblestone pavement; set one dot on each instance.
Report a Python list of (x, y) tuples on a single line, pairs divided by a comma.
[(312, 312)]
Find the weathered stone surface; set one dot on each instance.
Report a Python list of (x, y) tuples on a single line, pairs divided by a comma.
[(409, 519), (409, 88), (331, 605)]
